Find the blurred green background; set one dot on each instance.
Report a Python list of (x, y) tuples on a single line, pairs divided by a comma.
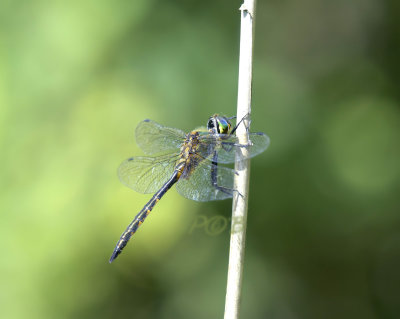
[(76, 77)]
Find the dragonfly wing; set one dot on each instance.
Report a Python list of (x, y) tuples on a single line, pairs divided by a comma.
[(155, 138), (226, 146), (147, 174), (198, 185)]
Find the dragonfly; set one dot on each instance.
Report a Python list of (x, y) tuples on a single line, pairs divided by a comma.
[(191, 161)]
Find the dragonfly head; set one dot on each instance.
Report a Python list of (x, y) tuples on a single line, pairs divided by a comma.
[(219, 125)]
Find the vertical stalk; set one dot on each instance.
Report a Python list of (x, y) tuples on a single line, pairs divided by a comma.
[(239, 207)]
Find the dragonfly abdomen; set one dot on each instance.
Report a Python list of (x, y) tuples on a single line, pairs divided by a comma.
[(141, 216)]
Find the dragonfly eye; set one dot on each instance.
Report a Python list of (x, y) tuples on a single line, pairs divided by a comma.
[(223, 125)]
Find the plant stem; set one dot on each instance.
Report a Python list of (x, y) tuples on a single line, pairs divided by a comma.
[(242, 167)]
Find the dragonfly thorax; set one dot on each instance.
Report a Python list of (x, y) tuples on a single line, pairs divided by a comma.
[(188, 159)]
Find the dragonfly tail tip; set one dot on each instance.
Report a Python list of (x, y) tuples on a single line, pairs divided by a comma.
[(114, 255)]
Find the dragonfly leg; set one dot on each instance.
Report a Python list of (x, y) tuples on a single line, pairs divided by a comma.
[(214, 178), (228, 146), (246, 117)]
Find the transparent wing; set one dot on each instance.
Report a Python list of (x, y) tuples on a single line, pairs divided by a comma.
[(199, 186), (155, 138), (227, 145), (147, 174)]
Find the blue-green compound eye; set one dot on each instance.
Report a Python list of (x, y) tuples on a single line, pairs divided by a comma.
[(223, 125)]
